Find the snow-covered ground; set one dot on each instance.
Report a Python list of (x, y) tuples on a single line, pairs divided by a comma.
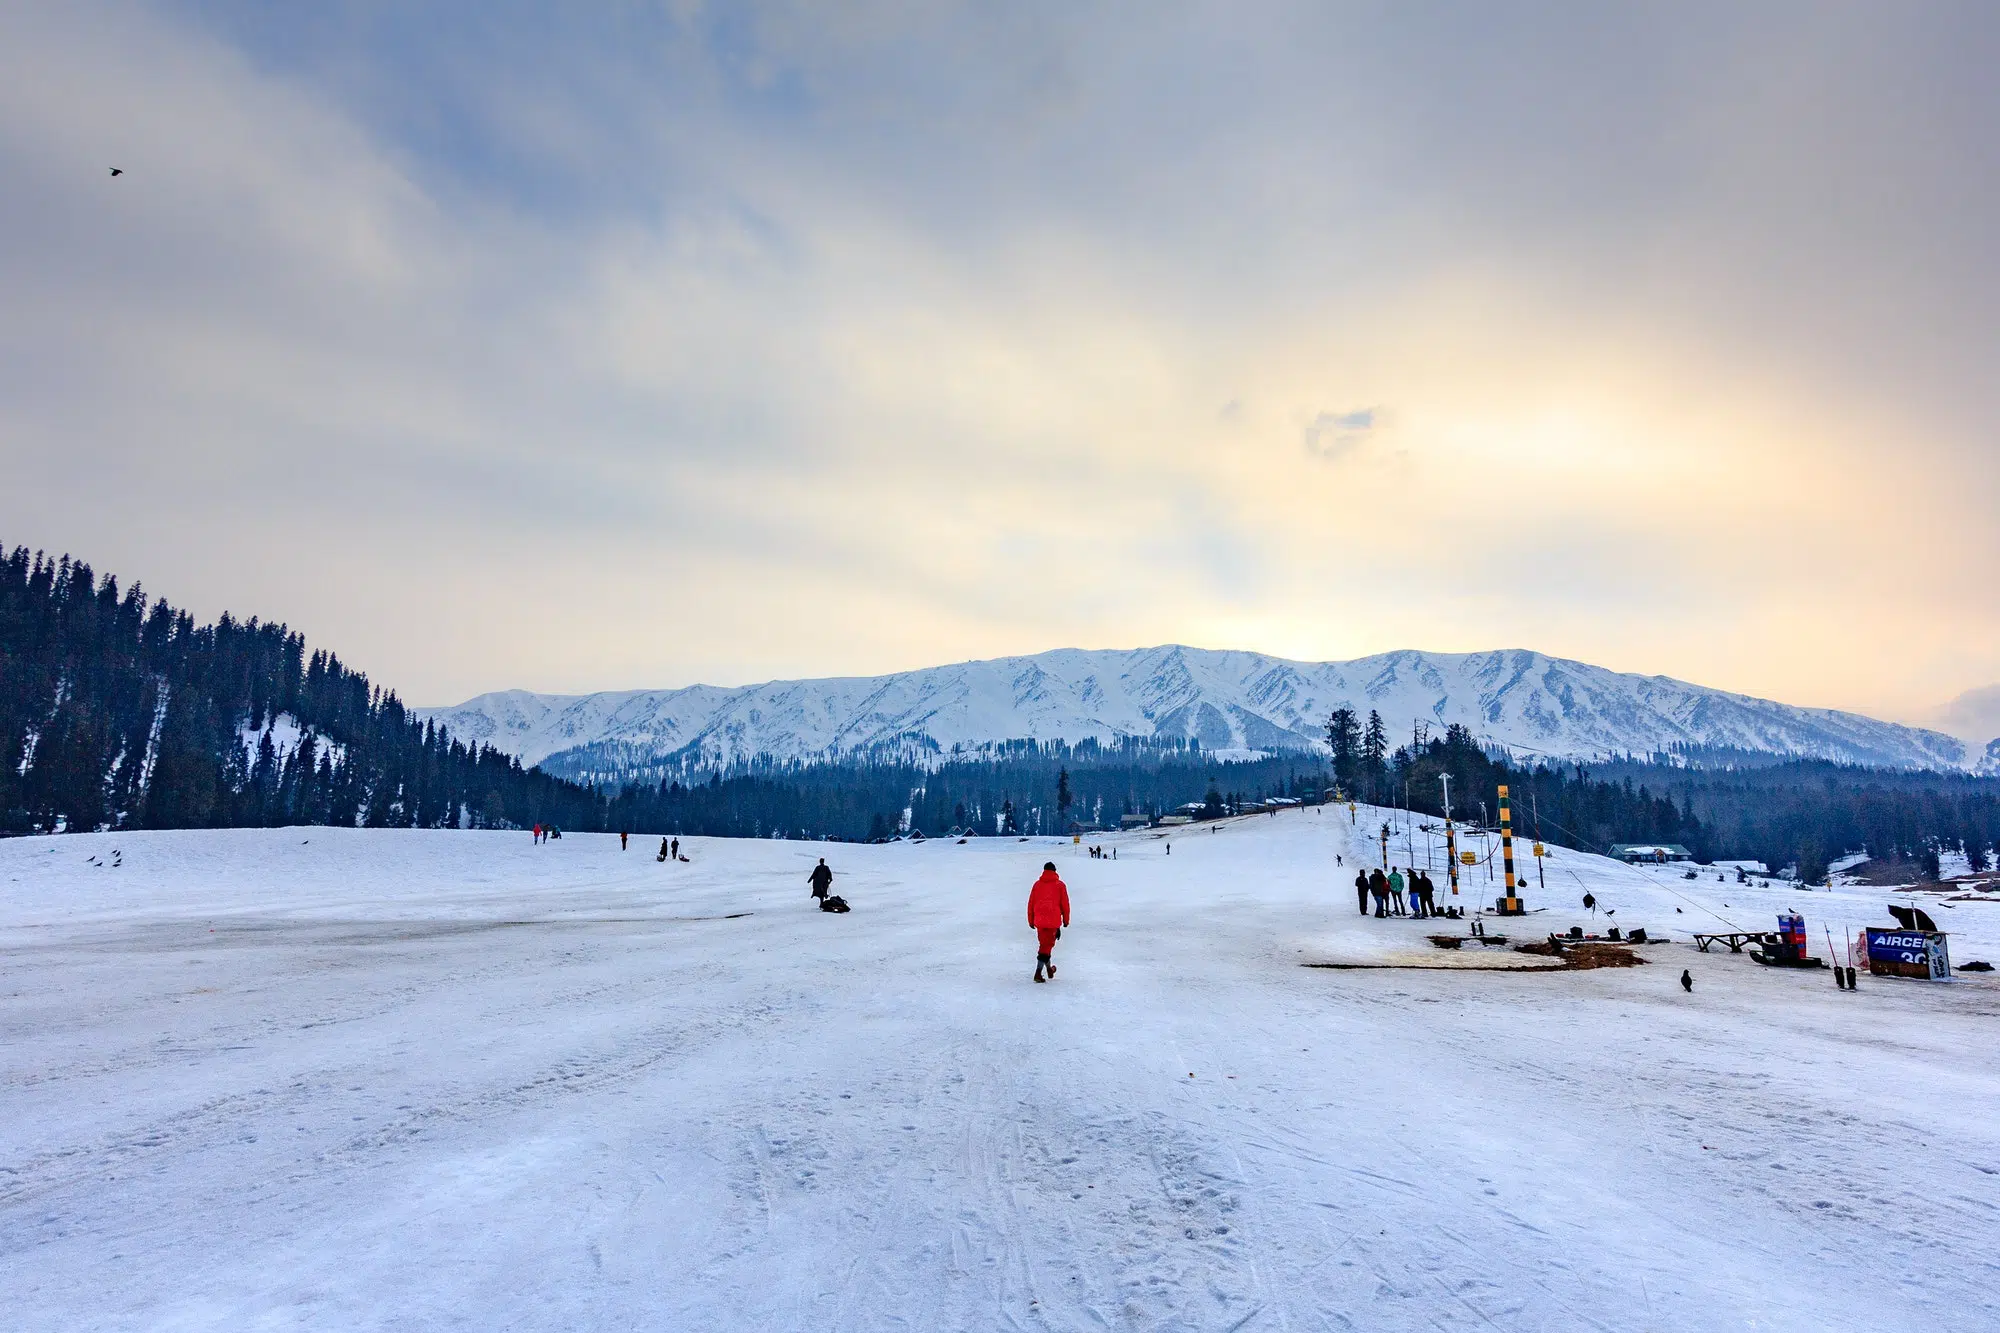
[(340, 1079)]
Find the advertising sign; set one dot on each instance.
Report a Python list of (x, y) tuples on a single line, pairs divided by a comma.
[(1908, 953)]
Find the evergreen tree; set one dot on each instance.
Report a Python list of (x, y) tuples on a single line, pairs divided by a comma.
[(1343, 738), (1374, 756)]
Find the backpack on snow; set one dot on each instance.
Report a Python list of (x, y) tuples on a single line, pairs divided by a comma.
[(834, 903)]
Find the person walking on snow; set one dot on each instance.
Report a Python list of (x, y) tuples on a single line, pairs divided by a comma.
[(1361, 890), (677, 849), (623, 838), (822, 879), (1048, 913)]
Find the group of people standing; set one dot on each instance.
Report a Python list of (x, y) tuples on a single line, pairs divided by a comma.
[(543, 832), (1388, 892)]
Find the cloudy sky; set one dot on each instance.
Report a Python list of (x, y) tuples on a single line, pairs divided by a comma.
[(638, 345)]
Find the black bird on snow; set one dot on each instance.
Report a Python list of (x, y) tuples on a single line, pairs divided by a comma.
[(1687, 982), (118, 171)]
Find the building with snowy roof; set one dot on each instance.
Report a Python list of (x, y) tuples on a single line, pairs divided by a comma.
[(1658, 852)]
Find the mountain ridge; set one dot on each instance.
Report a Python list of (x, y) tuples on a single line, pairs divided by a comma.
[(1223, 700)]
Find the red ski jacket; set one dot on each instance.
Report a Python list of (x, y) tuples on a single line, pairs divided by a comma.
[(1048, 902)]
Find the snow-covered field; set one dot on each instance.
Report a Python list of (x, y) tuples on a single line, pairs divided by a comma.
[(341, 1079)]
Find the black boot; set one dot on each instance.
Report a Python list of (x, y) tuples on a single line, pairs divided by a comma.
[(1052, 968), (1041, 962)]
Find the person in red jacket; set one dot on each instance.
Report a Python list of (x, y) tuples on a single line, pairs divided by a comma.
[(1048, 913)]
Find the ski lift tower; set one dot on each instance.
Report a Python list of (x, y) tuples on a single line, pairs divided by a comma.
[(1510, 905)]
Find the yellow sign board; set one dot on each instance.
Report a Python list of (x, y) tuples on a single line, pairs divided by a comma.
[(1470, 858)]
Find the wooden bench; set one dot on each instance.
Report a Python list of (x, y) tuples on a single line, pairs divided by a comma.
[(1735, 939)]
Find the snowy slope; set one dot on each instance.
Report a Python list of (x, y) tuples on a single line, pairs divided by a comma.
[(387, 1079), (1528, 702)]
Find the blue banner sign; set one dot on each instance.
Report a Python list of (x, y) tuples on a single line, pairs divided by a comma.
[(1908, 953)]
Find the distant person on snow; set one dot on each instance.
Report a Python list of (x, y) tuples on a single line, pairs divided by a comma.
[(1379, 886), (1396, 907), (623, 837), (677, 849), (538, 834), (1361, 890), (1430, 895), (1048, 913), (821, 879), (662, 857)]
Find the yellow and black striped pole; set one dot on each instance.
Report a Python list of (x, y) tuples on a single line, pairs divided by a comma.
[(1511, 904)]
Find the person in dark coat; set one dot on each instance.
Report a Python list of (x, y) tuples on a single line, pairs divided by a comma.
[(821, 879), (1378, 884), (1361, 891)]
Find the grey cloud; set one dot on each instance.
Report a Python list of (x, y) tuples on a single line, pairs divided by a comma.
[(1332, 436), (630, 288)]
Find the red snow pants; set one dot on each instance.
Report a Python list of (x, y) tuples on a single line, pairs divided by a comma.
[(1047, 936)]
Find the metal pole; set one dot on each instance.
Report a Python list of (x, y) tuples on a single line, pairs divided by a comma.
[(1450, 843), (1535, 806)]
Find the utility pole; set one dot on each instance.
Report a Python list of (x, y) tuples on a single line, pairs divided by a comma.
[(1535, 808), (1450, 843), (1385, 847)]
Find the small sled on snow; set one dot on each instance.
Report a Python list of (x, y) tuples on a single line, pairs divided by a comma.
[(833, 903), (1787, 947)]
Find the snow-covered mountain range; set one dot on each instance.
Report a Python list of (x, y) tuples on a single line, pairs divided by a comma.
[(1527, 702)]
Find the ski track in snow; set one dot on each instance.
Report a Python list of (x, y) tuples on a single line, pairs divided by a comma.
[(320, 1078)]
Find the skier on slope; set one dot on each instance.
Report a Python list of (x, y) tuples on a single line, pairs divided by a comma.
[(1048, 913), (821, 879), (1361, 890)]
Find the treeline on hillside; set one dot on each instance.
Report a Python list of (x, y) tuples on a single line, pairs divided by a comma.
[(1562, 804), (1812, 810), (117, 711), (1042, 788), (1789, 812)]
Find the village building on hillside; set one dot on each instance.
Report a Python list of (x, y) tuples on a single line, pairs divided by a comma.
[(1657, 852)]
